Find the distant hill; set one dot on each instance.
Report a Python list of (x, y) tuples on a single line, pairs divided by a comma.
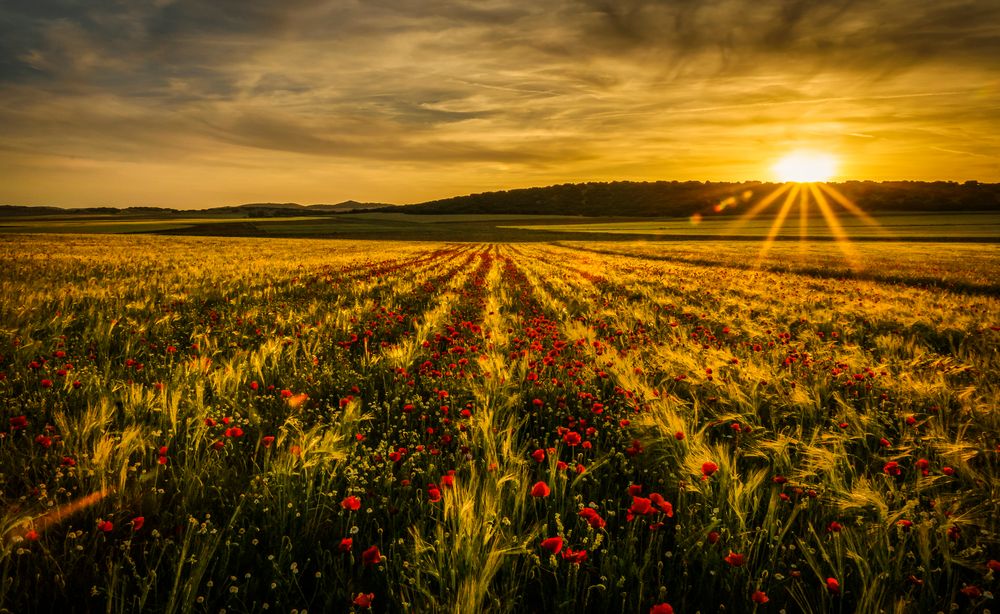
[(684, 198), (617, 198), (245, 210)]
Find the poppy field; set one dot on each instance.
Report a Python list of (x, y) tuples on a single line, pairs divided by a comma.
[(242, 425)]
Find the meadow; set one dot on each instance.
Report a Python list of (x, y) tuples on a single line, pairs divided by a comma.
[(237, 424)]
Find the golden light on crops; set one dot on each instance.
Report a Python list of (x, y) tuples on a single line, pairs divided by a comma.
[(805, 167), (804, 176)]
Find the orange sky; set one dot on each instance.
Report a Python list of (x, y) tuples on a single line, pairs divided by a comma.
[(195, 104)]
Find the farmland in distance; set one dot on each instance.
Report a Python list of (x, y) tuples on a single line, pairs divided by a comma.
[(197, 424)]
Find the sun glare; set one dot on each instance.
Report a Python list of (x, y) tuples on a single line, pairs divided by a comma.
[(805, 167)]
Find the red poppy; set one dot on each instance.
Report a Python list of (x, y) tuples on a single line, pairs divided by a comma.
[(634, 490), (759, 597), (572, 438), (448, 481), (218, 445), (892, 468), (371, 556), (267, 440), (363, 600), (574, 556), (661, 608), (993, 565), (833, 586), (708, 468), (351, 503), (679, 436), (665, 506), (46, 383), (106, 526), (433, 494), (538, 455), (971, 591), (345, 544), (593, 518), (44, 441), (137, 522), (553, 544), (18, 422), (540, 489), (713, 537), (834, 527), (31, 535), (734, 559)]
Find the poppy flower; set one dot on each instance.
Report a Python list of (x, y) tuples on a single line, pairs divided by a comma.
[(137, 522), (708, 468), (31, 535), (267, 440), (635, 490), (665, 506), (105, 526), (834, 527), (44, 441), (18, 422), (993, 565), (538, 455), (363, 600), (734, 559), (218, 445), (713, 537), (971, 591), (661, 608), (351, 503), (759, 597), (892, 468), (833, 586), (448, 481), (371, 556), (679, 436), (574, 556), (593, 518), (433, 495), (345, 544), (572, 438), (540, 489), (553, 544)]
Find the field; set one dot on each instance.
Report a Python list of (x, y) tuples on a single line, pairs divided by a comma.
[(953, 226), (208, 424)]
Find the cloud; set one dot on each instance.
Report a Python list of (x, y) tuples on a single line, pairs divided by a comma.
[(509, 91)]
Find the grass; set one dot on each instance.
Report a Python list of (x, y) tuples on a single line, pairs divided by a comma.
[(194, 424)]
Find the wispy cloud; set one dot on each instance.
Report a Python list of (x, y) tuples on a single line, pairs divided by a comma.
[(402, 100)]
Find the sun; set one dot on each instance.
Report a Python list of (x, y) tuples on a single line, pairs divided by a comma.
[(805, 167)]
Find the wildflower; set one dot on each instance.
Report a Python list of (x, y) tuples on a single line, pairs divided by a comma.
[(351, 503), (267, 440), (892, 468), (137, 522), (552, 544), (593, 518), (31, 535), (105, 526), (540, 489), (993, 565), (538, 455), (371, 556), (713, 537), (661, 608), (833, 586), (46, 383), (574, 556), (18, 422), (363, 600), (572, 438), (44, 441), (634, 490), (679, 436), (708, 468), (433, 494), (345, 544), (759, 597), (734, 559), (834, 527), (971, 591)]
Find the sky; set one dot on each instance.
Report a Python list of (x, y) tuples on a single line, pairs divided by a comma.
[(199, 103)]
